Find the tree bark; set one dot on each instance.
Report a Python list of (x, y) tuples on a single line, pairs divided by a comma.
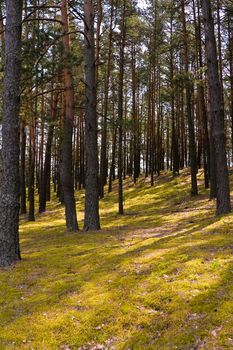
[(174, 134), (188, 88), (216, 112), (10, 179), (23, 197), (31, 175), (91, 219), (120, 113), (47, 162), (67, 132), (103, 156)]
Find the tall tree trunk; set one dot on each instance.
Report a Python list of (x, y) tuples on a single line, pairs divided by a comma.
[(230, 43), (32, 131), (41, 141), (98, 37), (91, 219), (47, 162), (135, 117), (10, 180), (188, 88), (103, 156), (23, 197), (2, 35), (67, 132), (201, 96), (31, 175), (216, 112), (112, 167), (174, 141), (120, 112), (81, 154)]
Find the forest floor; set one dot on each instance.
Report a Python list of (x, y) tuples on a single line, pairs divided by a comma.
[(161, 277)]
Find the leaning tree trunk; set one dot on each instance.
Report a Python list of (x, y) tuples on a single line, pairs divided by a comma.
[(67, 132), (10, 179), (91, 219), (216, 112)]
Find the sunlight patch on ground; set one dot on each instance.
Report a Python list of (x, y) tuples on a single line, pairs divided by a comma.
[(161, 277)]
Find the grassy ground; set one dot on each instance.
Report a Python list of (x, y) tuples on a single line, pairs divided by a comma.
[(161, 277)]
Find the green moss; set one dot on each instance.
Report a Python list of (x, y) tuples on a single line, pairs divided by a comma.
[(158, 278)]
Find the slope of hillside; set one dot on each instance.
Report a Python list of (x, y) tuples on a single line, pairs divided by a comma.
[(161, 277)]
